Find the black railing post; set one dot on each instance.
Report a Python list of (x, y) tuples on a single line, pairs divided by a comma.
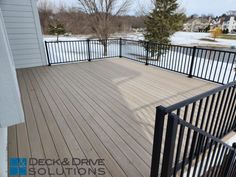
[(234, 126), (234, 121), (157, 140), (228, 163), (88, 46), (46, 47), (169, 147), (147, 54), (192, 62), (120, 48)]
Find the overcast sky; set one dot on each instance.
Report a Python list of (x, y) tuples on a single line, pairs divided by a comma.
[(215, 7)]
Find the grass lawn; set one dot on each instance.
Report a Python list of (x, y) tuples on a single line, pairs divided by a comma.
[(227, 36)]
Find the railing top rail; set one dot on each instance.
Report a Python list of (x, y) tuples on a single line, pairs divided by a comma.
[(80, 40), (196, 129), (198, 97)]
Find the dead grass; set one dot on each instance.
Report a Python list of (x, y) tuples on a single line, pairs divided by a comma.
[(227, 36)]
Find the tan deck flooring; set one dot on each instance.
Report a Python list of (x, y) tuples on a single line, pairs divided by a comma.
[(102, 109)]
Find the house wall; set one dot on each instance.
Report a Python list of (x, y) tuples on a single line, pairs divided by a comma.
[(24, 32), (232, 24), (3, 152), (10, 103), (11, 111)]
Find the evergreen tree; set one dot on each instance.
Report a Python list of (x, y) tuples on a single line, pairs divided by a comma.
[(57, 30), (162, 22)]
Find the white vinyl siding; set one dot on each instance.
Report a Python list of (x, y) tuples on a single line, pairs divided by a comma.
[(11, 111), (24, 32)]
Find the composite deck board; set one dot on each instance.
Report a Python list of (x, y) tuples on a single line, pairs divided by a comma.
[(80, 128), (48, 144), (117, 122), (100, 123), (74, 134), (112, 107), (68, 135), (12, 143), (100, 109)]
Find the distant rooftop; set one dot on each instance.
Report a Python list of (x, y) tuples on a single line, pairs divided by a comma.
[(231, 12)]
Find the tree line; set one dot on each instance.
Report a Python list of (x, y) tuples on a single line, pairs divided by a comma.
[(105, 17), (76, 21)]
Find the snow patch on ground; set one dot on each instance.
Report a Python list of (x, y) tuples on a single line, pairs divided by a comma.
[(179, 38), (191, 38)]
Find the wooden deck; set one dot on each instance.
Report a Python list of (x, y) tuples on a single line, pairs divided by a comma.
[(102, 109)]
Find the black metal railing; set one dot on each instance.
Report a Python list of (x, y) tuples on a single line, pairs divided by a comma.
[(187, 135), (181, 156), (208, 64), (81, 50)]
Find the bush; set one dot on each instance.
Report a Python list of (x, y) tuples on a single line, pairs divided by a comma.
[(216, 32), (57, 30)]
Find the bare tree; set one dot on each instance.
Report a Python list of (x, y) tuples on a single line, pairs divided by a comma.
[(45, 9), (101, 15)]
